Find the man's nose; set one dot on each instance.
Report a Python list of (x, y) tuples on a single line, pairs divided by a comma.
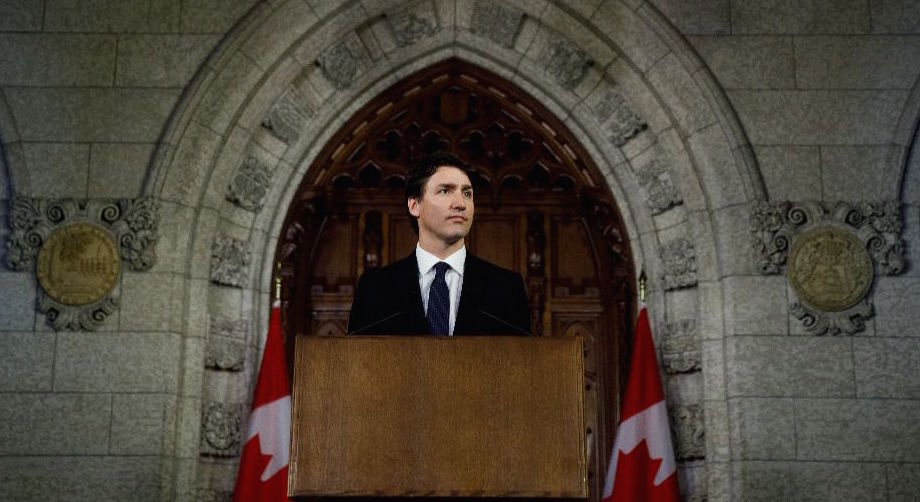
[(458, 201)]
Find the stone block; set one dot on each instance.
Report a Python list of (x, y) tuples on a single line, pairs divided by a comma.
[(800, 16), (27, 361), (71, 15), (697, 16), (117, 362), (57, 170), (189, 168), (895, 16), (279, 31), (878, 62), (713, 356), (897, 300), (117, 170), (740, 62), (188, 427), (17, 300), (818, 117), (859, 173), (640, 45), (173, 247), (151, 302), (212, 16), (80, 478), (56, 60), (718, 441), (760, 314), (911, 235), (887, 367), (54, 424), (762, 428), (791, 173), (881, 430), (733, 231), (152, 16), (903, 482), (786, 366), (138, 423), (161, 60), (772, 481), (717, 167), (680, 92), (91, 114), (21, 15)]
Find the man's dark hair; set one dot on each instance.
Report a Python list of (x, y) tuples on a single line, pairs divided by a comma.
[(422, 169)]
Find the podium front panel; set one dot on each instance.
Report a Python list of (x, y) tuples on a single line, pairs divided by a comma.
[(438, 416)]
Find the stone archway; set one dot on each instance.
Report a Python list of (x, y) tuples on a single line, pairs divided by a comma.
[(289, 75)]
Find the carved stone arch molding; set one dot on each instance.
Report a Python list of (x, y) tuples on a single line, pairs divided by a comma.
[(289, 75)]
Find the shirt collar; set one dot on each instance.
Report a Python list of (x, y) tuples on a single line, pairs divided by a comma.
[(427, 260)]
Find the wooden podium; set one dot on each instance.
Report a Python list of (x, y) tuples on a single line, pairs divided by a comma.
[(438, 416)]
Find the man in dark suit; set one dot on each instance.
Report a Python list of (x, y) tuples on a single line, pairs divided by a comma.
[(440, 288)]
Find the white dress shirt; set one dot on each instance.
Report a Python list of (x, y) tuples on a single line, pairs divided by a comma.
[(454, 278)]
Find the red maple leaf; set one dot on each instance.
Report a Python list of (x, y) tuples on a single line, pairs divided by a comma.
[(249, 488), (635, 478)]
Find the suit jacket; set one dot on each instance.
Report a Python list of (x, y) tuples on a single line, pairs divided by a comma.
[(388, 301)]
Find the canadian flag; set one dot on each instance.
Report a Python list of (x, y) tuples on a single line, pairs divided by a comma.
[(642, 466), (264, 462)]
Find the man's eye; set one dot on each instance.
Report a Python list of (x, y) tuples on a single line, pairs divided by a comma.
[(468, 194)]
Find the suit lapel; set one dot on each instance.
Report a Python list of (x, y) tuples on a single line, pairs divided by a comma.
[(467, 312), (412, 296)]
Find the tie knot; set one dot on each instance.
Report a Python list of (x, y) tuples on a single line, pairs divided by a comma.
[(440, 268)]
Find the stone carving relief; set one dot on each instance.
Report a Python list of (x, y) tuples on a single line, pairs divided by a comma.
[(681, 347), (689, 430), (617, 118), (660, 193), (91, 235), (230, 262), (497, 21), (830, 253), (250, 186), (567, 63), (343, 62), (221, 424), (410, 27), (289, 115), (678, 259), (223, 354)]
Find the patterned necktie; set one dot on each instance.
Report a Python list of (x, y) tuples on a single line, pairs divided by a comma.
[(439, 302)]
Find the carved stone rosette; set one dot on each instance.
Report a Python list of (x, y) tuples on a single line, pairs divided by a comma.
[(497, 21), (830, 253), (288, 116), (678, 259), (230, 262), (226, 349), (410, 27), (343, 62), (221, 425), (660, 192), (617, 118), (567, 63), (681, 348), (83, 227), (250, 185), (690, 431)]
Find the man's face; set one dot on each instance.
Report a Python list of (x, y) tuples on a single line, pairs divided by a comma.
[(445, 209)]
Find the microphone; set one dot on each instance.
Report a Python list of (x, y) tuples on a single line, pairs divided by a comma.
[(375, 323), (506, 323)]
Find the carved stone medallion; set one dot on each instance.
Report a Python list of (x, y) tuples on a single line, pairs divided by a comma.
[(78, 264), (830, 269)]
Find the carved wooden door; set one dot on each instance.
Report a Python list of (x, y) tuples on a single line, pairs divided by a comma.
[(541, 209)]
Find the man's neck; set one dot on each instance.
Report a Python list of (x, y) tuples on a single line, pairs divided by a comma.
[(441, 249)]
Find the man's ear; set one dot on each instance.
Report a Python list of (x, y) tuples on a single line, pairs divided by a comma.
[(413, 207)]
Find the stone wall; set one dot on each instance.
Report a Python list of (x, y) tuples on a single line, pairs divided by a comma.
[(698, 113)]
